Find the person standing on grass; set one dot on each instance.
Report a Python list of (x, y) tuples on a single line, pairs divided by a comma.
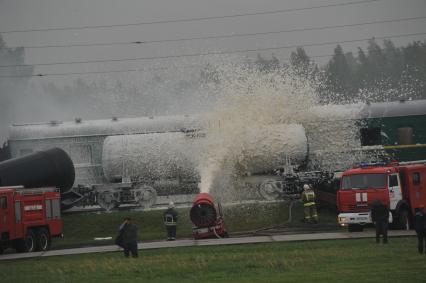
[(420, 227), (128, 233), (380, 218), (170, 218)]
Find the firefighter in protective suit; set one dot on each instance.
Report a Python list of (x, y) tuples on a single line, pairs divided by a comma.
[(308, 198), (170, 218)]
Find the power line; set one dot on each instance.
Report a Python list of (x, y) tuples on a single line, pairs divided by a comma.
[(194, 19), (224, 36), (125, 71), (212, 53), (96, 72)]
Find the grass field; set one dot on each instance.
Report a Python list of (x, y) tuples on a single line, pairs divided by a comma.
[(81, 229), (316, 261)]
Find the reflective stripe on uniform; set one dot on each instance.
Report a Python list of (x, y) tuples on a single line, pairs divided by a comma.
[(169, 220), (309, 203), (310, 196)]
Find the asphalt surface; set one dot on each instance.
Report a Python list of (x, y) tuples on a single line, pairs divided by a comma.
[(209, 242)]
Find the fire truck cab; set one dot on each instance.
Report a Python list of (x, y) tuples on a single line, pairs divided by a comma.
[(29, 218), (401, 187)]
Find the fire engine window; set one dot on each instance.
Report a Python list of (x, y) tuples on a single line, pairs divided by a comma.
[(18, 211), (49, 209), (364, 181), (370, 136), (416, 178), (3, 202), (393, 181), (56, 208), (405, 135)]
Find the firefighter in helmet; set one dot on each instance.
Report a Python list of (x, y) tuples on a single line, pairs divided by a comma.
[(170, 218), (308, 198)]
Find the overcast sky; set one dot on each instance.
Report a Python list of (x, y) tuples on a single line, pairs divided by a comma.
[(42, 14)]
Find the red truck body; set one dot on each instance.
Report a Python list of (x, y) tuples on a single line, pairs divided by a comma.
[(29, 218), (401, 187)]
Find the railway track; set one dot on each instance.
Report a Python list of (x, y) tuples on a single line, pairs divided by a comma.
[(162, 204)]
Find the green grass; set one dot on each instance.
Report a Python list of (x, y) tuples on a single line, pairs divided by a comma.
[(81, 229), (357, 260)]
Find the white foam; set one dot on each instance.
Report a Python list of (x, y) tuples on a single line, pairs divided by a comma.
[(263, 117), (156, 156)]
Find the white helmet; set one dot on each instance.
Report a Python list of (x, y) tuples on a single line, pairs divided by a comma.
[(306, 187), (171, 204)]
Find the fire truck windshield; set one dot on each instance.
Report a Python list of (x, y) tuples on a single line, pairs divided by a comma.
[(364, 181)]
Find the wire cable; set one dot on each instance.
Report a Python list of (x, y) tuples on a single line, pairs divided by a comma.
[(193, 19), (221, 36), (212, 52)]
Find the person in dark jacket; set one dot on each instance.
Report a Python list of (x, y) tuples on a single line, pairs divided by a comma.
[(380, 217), (128, 237), (420, 227), (170, 218)]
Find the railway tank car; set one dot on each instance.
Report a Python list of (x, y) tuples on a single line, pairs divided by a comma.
[(84, 142), (99, 150)]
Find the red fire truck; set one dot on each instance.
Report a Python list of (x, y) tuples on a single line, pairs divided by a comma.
[(29, 218), (401, 186)]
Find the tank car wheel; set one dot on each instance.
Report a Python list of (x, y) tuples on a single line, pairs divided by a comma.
[(145, 196), (268, 190), (43, 240), (107, 201)]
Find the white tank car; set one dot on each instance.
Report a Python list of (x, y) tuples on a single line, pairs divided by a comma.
[(155, 156), (83, 139), (267, 148), (159, 156)]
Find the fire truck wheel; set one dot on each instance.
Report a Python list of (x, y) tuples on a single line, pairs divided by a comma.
[(403, 221), (27, 244), (355, 228), (43, 240)]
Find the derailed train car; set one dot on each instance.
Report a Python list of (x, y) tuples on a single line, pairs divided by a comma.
[(131, 160), (88, 145)]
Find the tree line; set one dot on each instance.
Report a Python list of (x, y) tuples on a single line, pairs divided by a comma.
[(379, 73)]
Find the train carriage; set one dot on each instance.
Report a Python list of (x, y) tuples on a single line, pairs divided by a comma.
[(396, 127), (400, 127)]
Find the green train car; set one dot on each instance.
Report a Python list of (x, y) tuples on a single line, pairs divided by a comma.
[(399, 126)]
